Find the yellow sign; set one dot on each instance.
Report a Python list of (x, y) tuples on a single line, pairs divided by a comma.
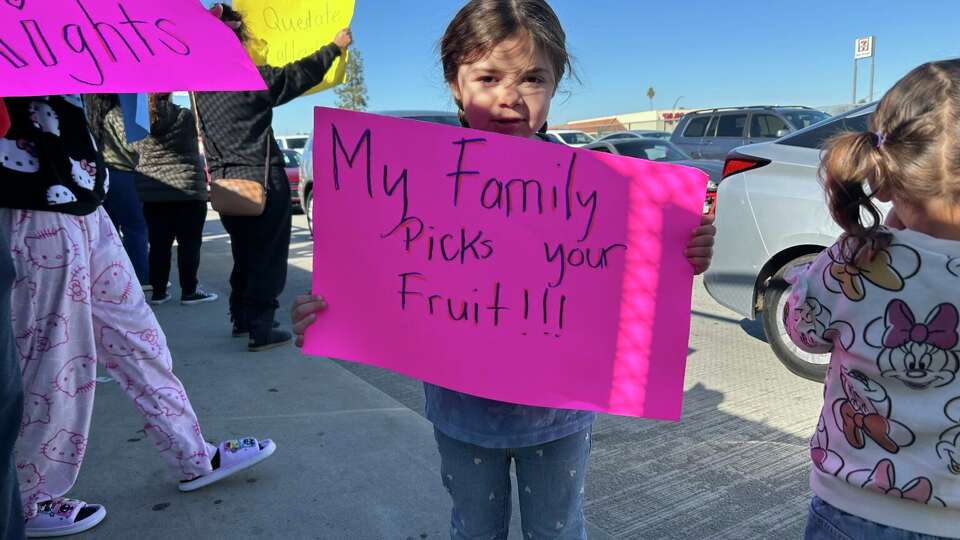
[(284, 31)]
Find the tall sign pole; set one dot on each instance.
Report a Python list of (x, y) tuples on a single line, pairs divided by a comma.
[(853, 99), (863, 48)]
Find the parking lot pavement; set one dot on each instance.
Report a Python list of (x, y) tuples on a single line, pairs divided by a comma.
[(356, 458)]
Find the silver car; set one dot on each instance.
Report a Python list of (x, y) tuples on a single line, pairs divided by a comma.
[(636, 134), (666, 152), (771, 215)]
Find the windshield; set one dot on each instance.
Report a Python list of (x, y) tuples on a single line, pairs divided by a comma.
[(576, 138), (814, 138), (802, 119), (651, 149), (448, 119), (296, 143)]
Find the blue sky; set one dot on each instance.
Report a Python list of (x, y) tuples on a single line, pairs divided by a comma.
[(712, 53)]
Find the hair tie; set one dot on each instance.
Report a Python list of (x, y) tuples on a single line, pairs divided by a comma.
[(878, 139)]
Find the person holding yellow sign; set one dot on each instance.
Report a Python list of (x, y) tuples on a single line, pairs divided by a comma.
[(239, 144)]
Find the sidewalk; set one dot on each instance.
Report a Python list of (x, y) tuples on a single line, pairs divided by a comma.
[(351, 463)]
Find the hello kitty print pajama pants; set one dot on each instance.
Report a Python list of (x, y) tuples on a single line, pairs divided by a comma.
[(77, 302)]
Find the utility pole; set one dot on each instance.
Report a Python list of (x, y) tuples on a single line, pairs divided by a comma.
[(853, 99)]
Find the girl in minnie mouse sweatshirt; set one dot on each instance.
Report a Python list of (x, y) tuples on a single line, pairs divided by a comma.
[(884, 302)]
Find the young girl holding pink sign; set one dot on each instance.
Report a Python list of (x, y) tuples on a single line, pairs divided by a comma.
[(503, 60)]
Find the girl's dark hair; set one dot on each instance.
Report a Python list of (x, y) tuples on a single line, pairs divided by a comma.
[(481, 24), (233, 19), (96, 107), (911, 151)]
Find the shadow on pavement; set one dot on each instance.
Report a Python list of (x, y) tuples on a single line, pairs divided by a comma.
[(713, 475)]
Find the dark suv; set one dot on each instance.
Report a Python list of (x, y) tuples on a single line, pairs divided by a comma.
[(711, 133)]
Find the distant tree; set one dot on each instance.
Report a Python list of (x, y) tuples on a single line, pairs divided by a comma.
[(352, 94)]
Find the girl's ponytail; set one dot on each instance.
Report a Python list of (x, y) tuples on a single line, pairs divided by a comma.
[(910, 154), (851, 160)]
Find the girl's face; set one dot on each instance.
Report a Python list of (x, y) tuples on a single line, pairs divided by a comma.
[(509, 90)]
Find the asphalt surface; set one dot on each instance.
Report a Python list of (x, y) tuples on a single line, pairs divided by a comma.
[(356, 458)]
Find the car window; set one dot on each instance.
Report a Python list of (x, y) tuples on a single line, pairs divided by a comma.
[(731, 125), (766, 125), (814, 138), (617, 136), (652, 149), (712, 128), (296, 143), (290, 159), (802, 119), (576, 138), (697, 127), (603, 149)]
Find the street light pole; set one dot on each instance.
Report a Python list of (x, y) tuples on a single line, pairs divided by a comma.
[(873, 64), (674, 108), (853, 99)]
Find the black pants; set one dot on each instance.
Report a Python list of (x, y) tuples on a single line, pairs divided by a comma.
[(261, 247), (11, 402), (183, 221)]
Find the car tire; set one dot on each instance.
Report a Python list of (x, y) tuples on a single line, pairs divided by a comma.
[(308, 210), (806, 365)]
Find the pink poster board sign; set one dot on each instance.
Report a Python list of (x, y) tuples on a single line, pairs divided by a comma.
[(506, 268), (118, 46)]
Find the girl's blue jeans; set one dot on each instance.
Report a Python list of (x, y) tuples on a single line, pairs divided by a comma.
[(550, 479), (827, 522)]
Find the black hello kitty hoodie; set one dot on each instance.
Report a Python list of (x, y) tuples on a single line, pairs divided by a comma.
[(48, 160)]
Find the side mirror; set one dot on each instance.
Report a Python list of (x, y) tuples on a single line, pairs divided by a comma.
[(783, 133)]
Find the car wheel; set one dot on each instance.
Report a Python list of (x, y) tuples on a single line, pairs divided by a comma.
[(308, 209), (807, 365)]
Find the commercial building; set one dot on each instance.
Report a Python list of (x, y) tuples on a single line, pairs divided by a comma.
[(657, 120)]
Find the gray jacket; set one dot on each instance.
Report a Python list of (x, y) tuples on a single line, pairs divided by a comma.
[(170, 168)]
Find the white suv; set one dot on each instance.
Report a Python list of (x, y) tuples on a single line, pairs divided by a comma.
[(771, 215)]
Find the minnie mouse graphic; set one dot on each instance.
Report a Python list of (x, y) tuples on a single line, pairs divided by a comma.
[(864, 413), (814, 323), (948, 449), (919, 354)]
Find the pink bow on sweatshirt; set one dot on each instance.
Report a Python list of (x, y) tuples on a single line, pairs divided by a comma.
[(902, 328)]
